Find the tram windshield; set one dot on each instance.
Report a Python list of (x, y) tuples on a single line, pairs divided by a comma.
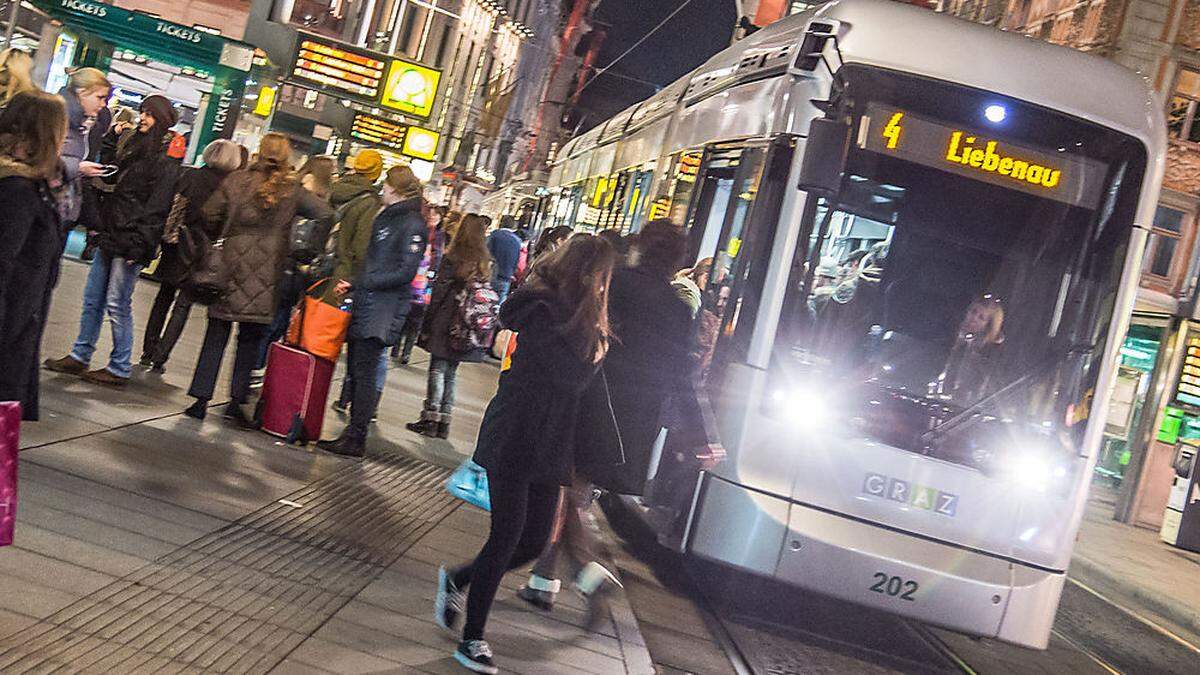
[(954, 299)]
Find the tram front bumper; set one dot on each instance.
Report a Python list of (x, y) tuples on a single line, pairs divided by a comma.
[(869, 564)]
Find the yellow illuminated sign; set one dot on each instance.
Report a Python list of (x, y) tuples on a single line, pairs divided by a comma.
[(891, 132), (987, 159), (421, 143), (1069, 178), (410, 88), (266, 101)]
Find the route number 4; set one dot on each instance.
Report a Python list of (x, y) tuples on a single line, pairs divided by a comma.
[(894, 586)]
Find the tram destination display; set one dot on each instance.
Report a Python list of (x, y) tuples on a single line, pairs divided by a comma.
[(983, 156)]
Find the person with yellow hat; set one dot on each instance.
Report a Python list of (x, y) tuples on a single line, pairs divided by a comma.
[(357, 201)]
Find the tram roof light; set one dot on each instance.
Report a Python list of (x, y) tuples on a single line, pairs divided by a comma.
[(995, 113)]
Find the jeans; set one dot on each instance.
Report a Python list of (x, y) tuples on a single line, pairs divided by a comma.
[(109, 291), (412, 329), (366, 359), (208, 367), (522, 518), (346, 397), (439, 390), (160, 341)]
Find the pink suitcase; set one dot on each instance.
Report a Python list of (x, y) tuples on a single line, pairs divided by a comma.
[(10, 441), (295, 391)]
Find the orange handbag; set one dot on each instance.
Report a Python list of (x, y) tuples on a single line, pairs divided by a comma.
[(318, 327)]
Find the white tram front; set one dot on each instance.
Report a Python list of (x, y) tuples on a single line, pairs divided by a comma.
[(914, 357)]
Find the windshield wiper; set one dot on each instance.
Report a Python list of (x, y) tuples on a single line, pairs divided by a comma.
[(972, 412)]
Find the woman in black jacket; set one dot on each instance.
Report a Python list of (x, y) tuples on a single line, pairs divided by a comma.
[(382, 295), (131, 222), (195, 186), (32, 129), (465, 262), (527, 439)]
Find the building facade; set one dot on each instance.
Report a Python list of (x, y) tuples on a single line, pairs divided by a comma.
[(493, 59)]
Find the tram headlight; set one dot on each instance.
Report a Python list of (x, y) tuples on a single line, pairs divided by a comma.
[(1034, 470), (804, 406)]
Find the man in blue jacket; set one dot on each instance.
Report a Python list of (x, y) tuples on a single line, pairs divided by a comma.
[(505, 247), (382, 295)]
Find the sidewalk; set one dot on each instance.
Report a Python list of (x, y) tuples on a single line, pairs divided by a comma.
[(148, 542), (1134, 568)]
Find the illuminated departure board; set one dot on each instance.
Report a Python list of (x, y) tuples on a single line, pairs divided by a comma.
[(379, 131), (983, 155), (365, 76), (338, 67), (407, 140)]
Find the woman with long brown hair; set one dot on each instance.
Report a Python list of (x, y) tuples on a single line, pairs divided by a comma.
[(467, 260), (527, 441), (32, 129), (254, 208)]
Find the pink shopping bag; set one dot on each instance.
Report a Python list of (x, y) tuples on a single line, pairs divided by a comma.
[(10, 433)]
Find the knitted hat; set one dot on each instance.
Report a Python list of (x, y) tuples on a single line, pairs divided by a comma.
[(162, 110), (368, 163)]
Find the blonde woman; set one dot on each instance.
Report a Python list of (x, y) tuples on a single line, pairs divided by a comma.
[(86, 97), (16, 74), (255, 208)]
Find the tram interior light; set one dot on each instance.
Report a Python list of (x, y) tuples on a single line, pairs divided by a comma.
[(995, 113)]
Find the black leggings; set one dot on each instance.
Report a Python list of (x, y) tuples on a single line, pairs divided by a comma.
[(522, 518)]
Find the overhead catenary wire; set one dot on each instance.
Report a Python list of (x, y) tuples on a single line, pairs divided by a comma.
[(637, 44)]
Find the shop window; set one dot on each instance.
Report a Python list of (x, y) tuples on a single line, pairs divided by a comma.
[(1165, 263), (1182, 122)]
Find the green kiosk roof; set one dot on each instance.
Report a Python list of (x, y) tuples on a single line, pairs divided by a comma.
[(161, 40)]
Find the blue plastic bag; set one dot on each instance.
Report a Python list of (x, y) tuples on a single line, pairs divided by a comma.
[(469, 483)]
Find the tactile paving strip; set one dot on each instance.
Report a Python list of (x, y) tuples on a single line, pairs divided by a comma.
[(240, 599)]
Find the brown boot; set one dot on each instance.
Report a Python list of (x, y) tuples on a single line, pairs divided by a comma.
[(106, 378), (66, 365)]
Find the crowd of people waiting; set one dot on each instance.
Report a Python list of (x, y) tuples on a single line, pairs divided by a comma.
[(610, 335)]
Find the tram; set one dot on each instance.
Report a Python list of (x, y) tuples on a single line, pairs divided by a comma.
[(925, 238)]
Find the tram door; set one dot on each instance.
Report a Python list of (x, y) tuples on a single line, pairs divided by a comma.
[(732, 223)]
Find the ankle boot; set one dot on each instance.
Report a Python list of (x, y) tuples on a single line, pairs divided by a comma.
[(197, 410), (443, 430), (346, 446), (423, 427)]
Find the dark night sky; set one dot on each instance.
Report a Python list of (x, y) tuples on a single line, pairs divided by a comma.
[(702, 29)]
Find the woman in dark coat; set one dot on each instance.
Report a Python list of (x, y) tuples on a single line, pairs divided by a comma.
[(254, 209), (466, 261), (527, 439), (192, 192), (382, 295), (32, 128), (131, 222)]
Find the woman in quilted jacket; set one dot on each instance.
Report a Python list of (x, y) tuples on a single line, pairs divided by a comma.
[(255, 209), (466, 261)]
